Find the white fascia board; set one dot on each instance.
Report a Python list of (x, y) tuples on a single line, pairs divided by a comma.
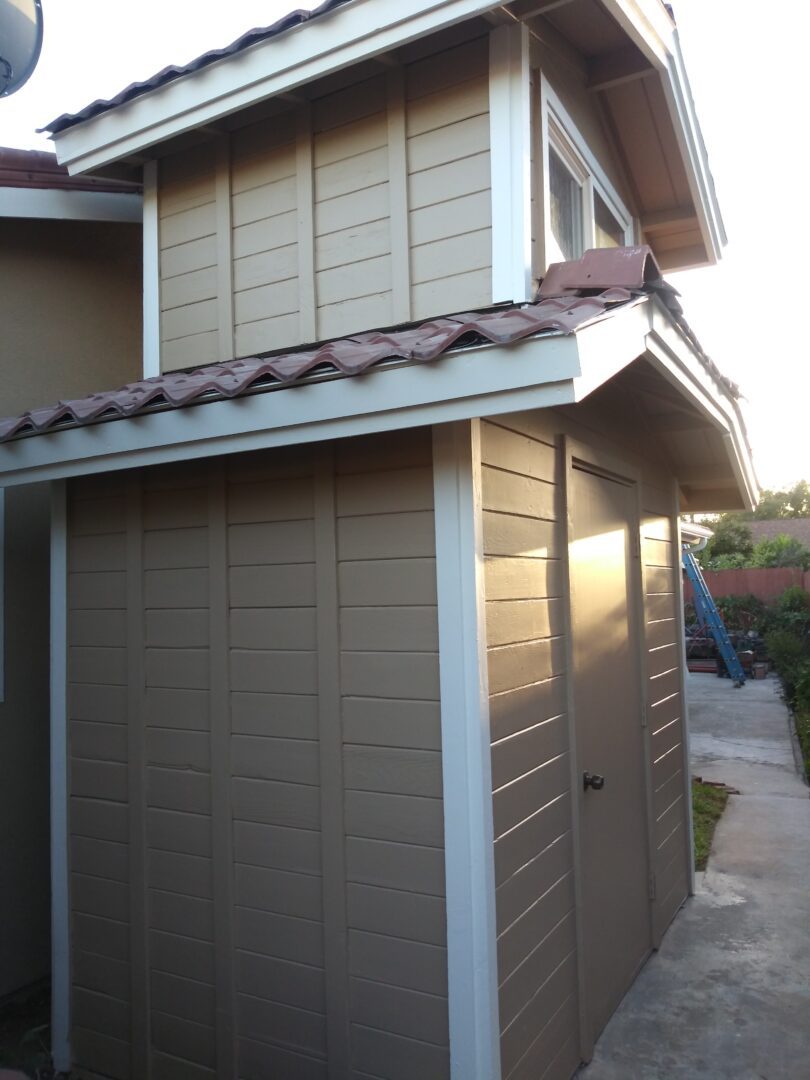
[(510, 134), (62, 205), (670, 352), (610, 344), (493, 379), (347, 36)]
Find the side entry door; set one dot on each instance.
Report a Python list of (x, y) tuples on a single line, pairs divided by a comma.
[(605, 587)]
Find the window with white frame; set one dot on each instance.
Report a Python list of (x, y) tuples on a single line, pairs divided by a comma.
[(582, 209)]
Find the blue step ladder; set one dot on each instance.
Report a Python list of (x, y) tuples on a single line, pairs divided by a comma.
[(709, 616)]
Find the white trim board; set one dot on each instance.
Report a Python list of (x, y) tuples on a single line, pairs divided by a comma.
[(151, 271), (510, 156), (347, 36), (472, 961), (62, 205)]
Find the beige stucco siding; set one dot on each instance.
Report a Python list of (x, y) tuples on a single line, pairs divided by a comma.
[(365, 206), (526, 626), (256, 806)]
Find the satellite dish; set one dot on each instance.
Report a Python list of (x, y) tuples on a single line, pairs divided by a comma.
[(20, 42)]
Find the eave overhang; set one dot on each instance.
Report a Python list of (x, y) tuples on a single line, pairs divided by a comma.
[(545, 371)]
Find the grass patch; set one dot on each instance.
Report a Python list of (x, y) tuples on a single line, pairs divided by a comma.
[(708, 804)]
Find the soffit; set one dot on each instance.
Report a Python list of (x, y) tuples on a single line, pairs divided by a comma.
[(638, 108)]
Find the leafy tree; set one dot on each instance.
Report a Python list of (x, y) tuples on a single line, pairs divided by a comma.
[(781, 551), (732, 541), (793, 502)]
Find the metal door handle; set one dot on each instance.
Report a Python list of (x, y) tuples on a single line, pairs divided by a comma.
[(592, 780)]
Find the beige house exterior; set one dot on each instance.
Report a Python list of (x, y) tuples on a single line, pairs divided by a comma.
[(367, 699), (70, 308)]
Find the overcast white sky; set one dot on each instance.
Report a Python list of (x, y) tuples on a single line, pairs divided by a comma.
[(747, 67)]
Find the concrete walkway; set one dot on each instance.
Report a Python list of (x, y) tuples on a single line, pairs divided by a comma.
[(728, 994)]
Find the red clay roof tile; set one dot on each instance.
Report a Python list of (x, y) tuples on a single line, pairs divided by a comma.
[(573, 303)]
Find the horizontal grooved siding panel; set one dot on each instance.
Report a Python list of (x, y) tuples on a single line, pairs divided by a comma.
[(381, 1053), (512, 666), (271, 803), (280, 980), (517, 801), (519, 754), (263, 1061), (398, 818), (275, 1022), (467, 176), (101, 974), (513, 621), (524, 585), (103, 858), (183, 998), (383, 769), (101, 1054), (98, 780), (417, 966), (378, 722), (556, 1033), (398, 1010), (278, 891), (397, 913), (516, 710), (512, 493), (395, 865), (283, 936)]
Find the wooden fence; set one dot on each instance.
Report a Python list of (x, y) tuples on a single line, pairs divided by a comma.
[(765, 584)]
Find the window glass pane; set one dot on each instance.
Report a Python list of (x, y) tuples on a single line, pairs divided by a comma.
[(566, 207), (607, 230)]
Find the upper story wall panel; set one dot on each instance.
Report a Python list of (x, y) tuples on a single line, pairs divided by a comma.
[(353, 209)]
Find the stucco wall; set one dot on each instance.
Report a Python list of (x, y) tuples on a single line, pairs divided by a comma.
[(70, 312)]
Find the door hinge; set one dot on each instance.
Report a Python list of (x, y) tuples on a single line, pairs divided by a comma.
[(651, 886)]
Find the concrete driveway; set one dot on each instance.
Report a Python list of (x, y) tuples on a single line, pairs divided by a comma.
[(728, 994)]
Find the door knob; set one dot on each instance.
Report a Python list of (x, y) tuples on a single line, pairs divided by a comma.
[(592, 780)]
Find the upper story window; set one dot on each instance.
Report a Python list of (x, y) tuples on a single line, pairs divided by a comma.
[(582, 208)]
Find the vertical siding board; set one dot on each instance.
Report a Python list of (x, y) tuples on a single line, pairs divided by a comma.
[(398, 194), (333, 858), (221, 826), (224, 248), (139, 938), (306, 226)]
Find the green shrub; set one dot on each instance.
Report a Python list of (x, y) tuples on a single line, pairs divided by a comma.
[(788, 652), (742, 613), (781, 551)]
